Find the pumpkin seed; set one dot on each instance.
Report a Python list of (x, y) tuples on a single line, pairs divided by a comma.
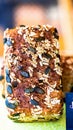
[(29, 90), (39, 90), (34, 102), (46, 55), (32, 49), (10, 104), (9, 89), (47, 70), (25, 74), (7, 41), (8, 79), (1, 77)]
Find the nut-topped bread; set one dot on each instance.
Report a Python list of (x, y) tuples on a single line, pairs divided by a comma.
[(33, 73)]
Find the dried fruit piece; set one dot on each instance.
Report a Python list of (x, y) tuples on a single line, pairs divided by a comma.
[(14, 84)]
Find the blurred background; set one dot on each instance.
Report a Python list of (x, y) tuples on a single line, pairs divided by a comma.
[(58, 13)]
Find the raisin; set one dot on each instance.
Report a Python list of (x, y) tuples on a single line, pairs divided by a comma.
[(58, 56), (40, 81), (25, 74), (14, 84), (9, 89), (34, 102)]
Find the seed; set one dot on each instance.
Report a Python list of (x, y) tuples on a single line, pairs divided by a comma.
[(14, 84), (39, 39), (16, 114), (46, 55), (10, 105), (39, 90), (9, 89), (1, 77), (58, 56), (40, 81), (29, 90), (8, 79), (32, 49), (22, 25), (47, 70), (7, 71), (34, 102), (25, 74), (7, 41), (55, 33), (20, 67)]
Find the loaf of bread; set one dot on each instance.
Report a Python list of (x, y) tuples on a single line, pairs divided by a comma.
[(33, 73), (67, 73)]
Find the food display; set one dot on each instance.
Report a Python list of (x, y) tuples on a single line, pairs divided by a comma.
[(33, 90)]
